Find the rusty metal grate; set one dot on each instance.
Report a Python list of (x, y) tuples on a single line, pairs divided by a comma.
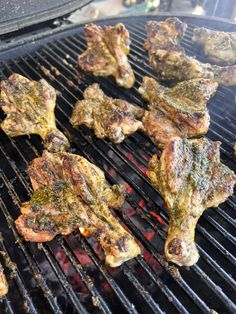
[(68, 275)]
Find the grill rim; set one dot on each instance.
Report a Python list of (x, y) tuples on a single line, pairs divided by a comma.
[(64, 28)]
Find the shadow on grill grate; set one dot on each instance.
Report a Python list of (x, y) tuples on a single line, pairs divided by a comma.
[(68, 275)]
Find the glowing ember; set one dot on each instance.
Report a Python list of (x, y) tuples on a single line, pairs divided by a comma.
[(158, 218), (151, 261), (149, 235), (128, 188), (132, 158), (63, 260), (141, 203)]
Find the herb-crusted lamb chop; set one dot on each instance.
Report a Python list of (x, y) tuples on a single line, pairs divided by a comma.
[(191, 178), (72, 194), (218, 47), (179, 111), (106, 54), (108, 117), (29, 106), (164, 34), (176, 66)]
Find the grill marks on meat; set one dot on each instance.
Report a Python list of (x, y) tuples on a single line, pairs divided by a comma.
[(176, 112), (108, 117), (3, 283), (171, 63), (164, 34), (70, 194), (191, 178), (218, 47), (29, 106), (108, 47)]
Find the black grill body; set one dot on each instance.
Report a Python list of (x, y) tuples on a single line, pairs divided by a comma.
[(68, 275)]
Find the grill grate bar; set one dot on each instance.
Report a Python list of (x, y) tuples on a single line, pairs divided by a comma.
[(19, 281), (8, 306), (228, 303), (86, 279), (146, 296), (125, 302), (228, 255), (62, 279), (217, 268), (157, 280)]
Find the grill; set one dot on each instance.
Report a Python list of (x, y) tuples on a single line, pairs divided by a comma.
[(68, 275)]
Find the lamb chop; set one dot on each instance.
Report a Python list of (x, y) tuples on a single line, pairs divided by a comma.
[(29, 106), (72, 194), (3, 283), (108, 47), (111, 118), (176, 112), (191, 178), (164, 34), (177, 66), (218, 47)]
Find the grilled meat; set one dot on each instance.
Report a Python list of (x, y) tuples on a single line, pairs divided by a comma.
[(218, 47), (177, 66), (29, 106), (108, 47), (3, 283), (191, 178), (176, 112), (72, 194), (164, 34), (111, 118)]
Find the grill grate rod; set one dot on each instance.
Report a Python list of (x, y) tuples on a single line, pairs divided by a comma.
[(19, 281)]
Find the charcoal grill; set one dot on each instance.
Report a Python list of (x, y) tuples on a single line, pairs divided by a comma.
[(68, 275)]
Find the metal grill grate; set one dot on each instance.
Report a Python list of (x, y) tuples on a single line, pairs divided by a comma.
[(68, 275)]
